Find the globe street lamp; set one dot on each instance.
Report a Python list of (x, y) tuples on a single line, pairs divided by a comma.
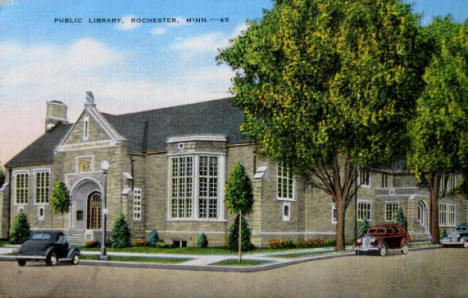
[(104, 168)]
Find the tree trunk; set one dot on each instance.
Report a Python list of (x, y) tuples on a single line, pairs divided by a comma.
[(240, 238), (434, 185), (340, 223)]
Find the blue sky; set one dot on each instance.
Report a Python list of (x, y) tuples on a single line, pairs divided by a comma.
[(129, 67)]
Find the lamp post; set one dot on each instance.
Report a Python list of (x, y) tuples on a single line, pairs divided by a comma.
[(104, 168)]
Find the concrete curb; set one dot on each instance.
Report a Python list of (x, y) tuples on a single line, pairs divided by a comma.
[(219, 268)]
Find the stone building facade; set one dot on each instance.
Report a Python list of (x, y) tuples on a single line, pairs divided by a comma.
[(167, 170)]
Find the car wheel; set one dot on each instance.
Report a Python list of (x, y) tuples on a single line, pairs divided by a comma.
[(383, 249), (52, 259), (465, 244), (21, 262), (75, 259), (405, 248)]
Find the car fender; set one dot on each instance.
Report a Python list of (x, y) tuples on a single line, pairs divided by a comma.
[(49, 250), (71, 251)]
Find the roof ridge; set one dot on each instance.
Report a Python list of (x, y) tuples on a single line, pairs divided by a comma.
[(168, 107)]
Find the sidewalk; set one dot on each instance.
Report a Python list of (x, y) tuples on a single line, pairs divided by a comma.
[(273, 259)]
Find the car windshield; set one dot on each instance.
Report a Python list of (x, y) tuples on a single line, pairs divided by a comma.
[(376, 231), (40, 236)]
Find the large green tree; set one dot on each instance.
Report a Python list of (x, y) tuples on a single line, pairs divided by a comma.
[(439, 131), (239, 197), (326, 85)]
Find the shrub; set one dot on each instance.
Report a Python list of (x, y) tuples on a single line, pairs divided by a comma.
[(234, 235), (139, 242), (363, 227), (400, 218), (202, 241), (19, 231), (161, 244), (152, 237), (120, 235), (275, 243), (91, 244)]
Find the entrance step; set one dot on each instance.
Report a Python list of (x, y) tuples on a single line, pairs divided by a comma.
[(78, 240)]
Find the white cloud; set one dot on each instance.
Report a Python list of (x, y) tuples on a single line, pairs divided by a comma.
[(126, 23), (32, 75), (158, 30), (207, 43)]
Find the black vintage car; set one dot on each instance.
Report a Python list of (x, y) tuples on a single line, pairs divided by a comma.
[(48, 246)]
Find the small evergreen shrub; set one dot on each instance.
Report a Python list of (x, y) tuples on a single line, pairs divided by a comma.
[(120, 235), (234, 235), (400, 218), (91, 244), (161, 244), (202, 241), (139, 242), (19, 231), (152, 237), (363, 227)]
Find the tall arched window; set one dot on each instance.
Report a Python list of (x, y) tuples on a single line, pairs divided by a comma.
[(94, 211)]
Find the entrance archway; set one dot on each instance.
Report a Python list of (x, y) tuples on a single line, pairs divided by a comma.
[(422, 214), (81, 192), (94, 205)]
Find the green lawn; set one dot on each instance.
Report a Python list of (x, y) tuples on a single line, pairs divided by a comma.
[(233, 262), (420, 243), (190, 250), (301, 254), (137, 259), (3, 242)]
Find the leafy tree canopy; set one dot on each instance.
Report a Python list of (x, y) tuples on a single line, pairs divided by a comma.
[(321, 78), (439, 132), (239, 196)]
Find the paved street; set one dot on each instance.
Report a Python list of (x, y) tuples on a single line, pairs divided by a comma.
[(426, 273)]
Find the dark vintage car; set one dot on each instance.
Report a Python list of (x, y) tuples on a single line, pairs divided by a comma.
[(48, 246), (381, 237), (457, 237)]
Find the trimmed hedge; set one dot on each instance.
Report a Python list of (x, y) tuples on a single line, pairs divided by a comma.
[(309, 243)]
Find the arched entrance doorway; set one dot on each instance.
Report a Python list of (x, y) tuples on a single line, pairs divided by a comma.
[(94, 211), (85, 211), (422, 215)]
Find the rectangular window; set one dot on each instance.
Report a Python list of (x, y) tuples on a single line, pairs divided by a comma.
[(364, 209), (450, 179), (286, 211), (22, 188), (391, 208), (384, 181), (334, 214), (364, 177), (285, 183), (208, 187), (447, 212), (181, 193), (40, 213), (137, 200), (85, 128), (42, 187)]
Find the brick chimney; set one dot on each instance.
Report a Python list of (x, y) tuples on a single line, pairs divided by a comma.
[(56, 113)]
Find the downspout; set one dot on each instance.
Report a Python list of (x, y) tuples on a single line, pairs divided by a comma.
[(9, 202)]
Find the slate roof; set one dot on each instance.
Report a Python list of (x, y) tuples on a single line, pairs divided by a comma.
[(210, 117), (149, 130), (41, 150)]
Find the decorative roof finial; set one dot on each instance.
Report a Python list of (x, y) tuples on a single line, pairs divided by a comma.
[(89, 99)]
